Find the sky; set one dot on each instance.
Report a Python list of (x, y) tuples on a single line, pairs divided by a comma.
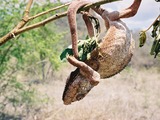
[(147, 12)]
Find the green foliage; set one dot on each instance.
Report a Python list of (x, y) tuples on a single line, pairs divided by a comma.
[(156, 35), (14, 93), (65, 52), (142, 38), (10, 13), (155, 49), (84, 48), (28, 50)]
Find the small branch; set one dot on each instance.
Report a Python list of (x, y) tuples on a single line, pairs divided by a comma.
[(42, 23), (48, 11), (20, 27), (25, 17), (152, 24), (13, 33), (101, 2), (26, 13)]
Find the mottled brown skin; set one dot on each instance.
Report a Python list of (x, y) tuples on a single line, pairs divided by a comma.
[(116, 49), (112, 54), (88, 24), (80, 81), (72, 10), (83, 79)]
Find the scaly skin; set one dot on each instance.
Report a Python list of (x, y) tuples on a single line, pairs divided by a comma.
[(83, 79), (88, 24), (116, 49), (111, 56)]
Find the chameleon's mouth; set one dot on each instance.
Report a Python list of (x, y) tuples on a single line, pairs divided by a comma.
[(67, 88), (76, 87)]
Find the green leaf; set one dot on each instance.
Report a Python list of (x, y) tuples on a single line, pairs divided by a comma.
[(67, 51), (84, 49), (155, 28), (155, 49), (142, 39)]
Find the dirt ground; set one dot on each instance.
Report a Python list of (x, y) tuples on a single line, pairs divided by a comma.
[(132, 94)]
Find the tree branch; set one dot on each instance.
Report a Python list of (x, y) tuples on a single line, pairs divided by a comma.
[(42, 23), (25, 17), (152, 24), (20, 27), (100, 2), (48, 11), (24, 20)]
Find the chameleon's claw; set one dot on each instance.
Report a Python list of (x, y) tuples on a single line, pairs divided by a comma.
[(92, 78), (91, 75)]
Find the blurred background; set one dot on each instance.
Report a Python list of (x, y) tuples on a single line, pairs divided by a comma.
[(32, 76)]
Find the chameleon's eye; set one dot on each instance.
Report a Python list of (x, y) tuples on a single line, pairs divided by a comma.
[(80, 96)]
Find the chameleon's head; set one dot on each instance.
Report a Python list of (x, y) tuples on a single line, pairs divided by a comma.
[(77, 87)]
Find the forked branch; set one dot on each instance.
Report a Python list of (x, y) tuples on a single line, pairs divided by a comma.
[(21, 24), (20, 28), (48, 11)]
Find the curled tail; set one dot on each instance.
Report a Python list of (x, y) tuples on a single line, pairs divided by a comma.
[(72, 10)]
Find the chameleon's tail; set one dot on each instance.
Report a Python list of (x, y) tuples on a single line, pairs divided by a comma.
[(72, 10)]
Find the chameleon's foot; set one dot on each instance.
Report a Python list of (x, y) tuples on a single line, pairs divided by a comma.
[(92, 78), (91, 75)]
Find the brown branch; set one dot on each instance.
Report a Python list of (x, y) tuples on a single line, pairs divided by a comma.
[(48, 11), (100, 2), (25, 17), (152, 24), (20, 27), (42, 23)]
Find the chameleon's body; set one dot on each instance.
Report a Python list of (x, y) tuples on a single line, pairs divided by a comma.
[(114, 52), (110, 57)]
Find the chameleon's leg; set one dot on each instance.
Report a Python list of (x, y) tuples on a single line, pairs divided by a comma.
[(130, 11), (126, 13), (116, 15), (85, 70), (72, 10), (88, 24), (103, 13)]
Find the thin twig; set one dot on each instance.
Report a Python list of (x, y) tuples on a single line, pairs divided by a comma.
[(42, 23), (152, 24), (101, 2), (48, 11)]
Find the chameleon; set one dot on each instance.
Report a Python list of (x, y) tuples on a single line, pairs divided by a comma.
[(112, 55)]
